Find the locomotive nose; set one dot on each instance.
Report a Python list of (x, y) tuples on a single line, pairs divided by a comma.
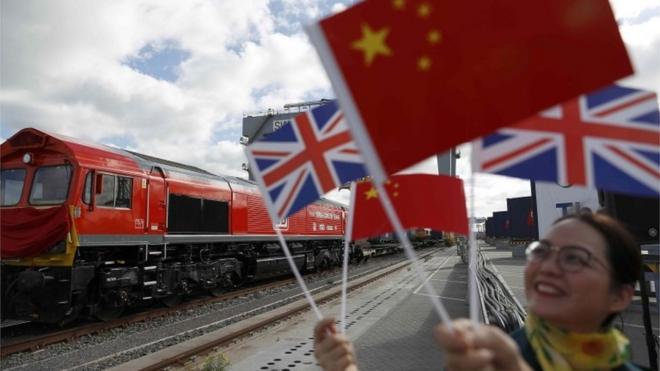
[(30, 280)]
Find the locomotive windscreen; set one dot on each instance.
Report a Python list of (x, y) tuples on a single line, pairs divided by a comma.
[(196, 215)]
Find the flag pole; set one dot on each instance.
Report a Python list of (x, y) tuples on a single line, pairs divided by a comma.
[(347, 244), (410, 253), (296, 273), (473, 263), (274, 217)]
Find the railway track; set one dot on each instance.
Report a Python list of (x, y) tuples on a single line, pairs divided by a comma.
[(31, 344), (180, 354), (106, 345)]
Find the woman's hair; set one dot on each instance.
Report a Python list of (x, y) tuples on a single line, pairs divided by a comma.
[(623, 252)]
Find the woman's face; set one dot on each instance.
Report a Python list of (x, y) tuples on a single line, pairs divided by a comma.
[(576, 301)]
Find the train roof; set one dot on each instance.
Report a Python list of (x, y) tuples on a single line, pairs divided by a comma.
[(90, 154), (333, 202), (147, 162), (86, 153)]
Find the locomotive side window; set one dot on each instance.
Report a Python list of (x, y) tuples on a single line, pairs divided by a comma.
[(87, 191), (116, 191), (50, 185), (11, 186), (107, 196), (124, 188)]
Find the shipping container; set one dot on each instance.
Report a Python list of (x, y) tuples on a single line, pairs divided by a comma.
[(521, 218), (639, 214), (436, 235), (501, 224), (489, 227)]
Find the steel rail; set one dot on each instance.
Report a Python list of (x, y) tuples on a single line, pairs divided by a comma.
[(33, 344), (158, 362)]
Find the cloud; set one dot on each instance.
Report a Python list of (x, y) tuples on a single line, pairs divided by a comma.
[(627, 10), (643, 42), (338, 7), (65, 70)]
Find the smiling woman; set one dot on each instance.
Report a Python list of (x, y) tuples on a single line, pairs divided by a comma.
[(577, 278)]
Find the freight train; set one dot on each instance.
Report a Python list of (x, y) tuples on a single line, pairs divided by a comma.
[(90, 229)]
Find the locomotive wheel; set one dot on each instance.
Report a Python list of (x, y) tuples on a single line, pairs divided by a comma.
[(80, 302), (110, 307), (109, 312), (218, 291), (233, 281), (172, 300)]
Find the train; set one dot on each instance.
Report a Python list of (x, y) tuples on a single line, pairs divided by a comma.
[(89, 229)]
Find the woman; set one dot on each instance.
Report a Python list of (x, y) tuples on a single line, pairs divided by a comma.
[(576, 280)]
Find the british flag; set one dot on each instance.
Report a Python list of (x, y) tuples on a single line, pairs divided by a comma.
[(608, 139), (305, 159)]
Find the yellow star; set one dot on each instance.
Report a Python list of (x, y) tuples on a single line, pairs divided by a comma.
[(395, 194), (399, 4), (424, 10), (372, 193), (372, 43), (424, 63), (434, 36)]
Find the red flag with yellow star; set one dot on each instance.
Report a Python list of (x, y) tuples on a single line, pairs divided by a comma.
[(428, 75), (420, 200)]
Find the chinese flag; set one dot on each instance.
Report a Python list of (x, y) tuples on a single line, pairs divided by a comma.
[(428, 75), (420, 200)]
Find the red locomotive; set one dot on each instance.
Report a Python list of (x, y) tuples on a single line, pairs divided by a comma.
[(88, 228)]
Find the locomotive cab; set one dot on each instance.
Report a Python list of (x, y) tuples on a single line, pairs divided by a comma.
[(37, 185)]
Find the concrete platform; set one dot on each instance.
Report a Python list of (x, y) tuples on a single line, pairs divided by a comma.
[(391, 322)]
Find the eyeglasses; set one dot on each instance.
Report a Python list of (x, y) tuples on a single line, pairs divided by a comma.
[(570, 258)]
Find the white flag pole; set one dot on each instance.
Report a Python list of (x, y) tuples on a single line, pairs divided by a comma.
[(473, 262), (274, 217), (347, 245), (296, 273), (410, 253)]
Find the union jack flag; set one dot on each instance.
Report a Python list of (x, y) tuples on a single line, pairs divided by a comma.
[(305, 159), (608, 139)]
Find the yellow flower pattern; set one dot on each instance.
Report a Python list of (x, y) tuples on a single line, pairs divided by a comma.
[(560, 350)]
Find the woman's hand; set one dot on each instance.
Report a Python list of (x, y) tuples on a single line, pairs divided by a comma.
[(333, 350), (470, 346)]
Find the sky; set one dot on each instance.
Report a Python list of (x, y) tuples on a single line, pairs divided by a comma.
[(173, 79)]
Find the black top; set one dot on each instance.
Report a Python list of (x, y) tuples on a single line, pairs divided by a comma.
[(520, 337)]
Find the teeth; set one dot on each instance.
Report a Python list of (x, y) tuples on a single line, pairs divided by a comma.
[(547, 289)]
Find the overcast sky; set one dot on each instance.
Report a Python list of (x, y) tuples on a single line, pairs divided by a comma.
[(173, 78)]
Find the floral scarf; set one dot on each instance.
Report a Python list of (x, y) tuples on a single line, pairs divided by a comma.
[(561, 350)]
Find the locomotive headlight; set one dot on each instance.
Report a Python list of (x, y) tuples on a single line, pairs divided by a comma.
[(28, 158)]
